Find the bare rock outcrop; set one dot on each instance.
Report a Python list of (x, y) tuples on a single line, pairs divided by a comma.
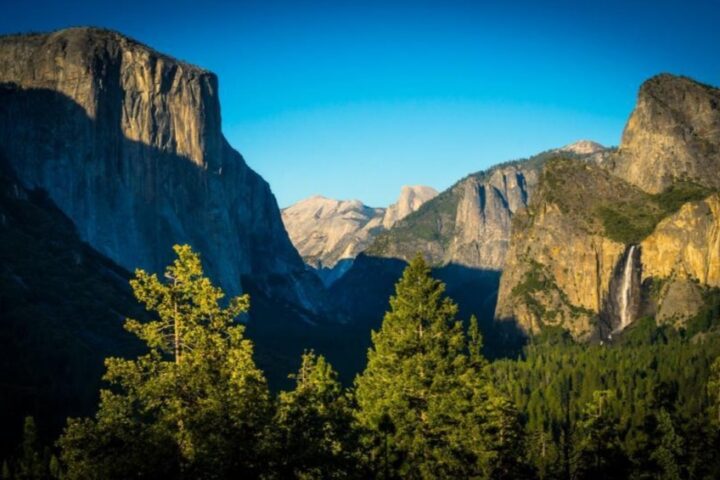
[(671, 135)]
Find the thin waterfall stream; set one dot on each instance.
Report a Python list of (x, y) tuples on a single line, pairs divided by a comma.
[(626, 290)]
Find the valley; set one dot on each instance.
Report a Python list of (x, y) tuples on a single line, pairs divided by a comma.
[(524, 299)]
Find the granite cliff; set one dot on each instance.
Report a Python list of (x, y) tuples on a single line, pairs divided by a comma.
[(127, 142), (329, 233), (469, 224), (603, 244), (672, 135), (62, 308)]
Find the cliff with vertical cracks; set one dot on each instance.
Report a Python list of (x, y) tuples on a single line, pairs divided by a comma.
[(571, 263), (127, 142)]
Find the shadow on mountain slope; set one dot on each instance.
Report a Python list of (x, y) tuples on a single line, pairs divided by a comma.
[(63, 301)]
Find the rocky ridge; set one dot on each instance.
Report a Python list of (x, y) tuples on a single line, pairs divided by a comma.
[(469, 224), (671, 135)]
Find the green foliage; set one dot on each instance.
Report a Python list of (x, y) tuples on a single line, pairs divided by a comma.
[(645, 331), (434, 221), (600, 453), (537, 281), (599, 202), (669, 452), (312, 436), (31, 461), (708, 317), (713, 392), (561, 389), (423, 401), (626, 223), (630, 221), (196, 399)]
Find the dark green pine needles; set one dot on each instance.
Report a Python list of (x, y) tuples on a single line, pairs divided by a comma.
[(424, 400)]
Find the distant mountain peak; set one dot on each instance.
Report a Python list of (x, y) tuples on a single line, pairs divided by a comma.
[(583, 147), (329, 232), (411, 198)]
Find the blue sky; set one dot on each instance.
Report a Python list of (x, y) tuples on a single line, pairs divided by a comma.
[(356, 99)]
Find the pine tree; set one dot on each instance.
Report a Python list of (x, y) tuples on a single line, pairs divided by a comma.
[(600, 451), (30, 465), (713, 390), (423, 398), (314, 437), (196, 400), (668, 453)]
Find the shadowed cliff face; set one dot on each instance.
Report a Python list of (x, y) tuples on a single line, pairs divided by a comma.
[(62, 308), (127, 143)]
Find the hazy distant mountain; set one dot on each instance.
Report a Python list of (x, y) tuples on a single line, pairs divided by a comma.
[(329, 233)]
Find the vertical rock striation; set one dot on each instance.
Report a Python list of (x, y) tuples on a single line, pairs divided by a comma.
[(127, 142), (671, 135)]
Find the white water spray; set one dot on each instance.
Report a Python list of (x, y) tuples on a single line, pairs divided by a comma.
[(626, 291)]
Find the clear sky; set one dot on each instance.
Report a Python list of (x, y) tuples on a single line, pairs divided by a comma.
[(356, 99)]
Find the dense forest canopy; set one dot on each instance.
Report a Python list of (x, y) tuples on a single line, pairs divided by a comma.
[(428, 404)]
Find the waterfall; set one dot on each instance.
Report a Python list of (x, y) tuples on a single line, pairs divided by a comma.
[(626, 291)]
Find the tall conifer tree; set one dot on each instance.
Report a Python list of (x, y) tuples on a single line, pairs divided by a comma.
[(423, 399), (194, 406)]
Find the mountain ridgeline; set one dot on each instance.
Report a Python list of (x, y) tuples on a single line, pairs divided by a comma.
[(464, 233), (112, 153)]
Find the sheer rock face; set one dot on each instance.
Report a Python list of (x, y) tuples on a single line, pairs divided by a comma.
[(562, 266), (468, 224), (574, 267), (484, 216), (673, 133), (329, 233), (127, 142), (686, 245)]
